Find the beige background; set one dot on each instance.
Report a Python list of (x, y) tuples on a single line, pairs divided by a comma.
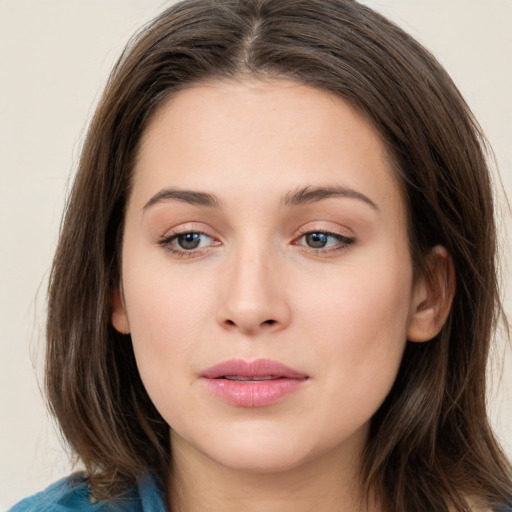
[(54, 59)]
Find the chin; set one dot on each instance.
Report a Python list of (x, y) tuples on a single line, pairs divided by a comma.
[(250, 450), (260, 458)]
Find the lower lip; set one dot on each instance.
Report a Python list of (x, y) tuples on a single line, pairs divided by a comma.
[(253, 393)]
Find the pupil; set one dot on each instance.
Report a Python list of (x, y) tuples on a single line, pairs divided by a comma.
[(316, 240), (189, 240)]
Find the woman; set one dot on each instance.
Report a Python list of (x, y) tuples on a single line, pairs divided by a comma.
[(275, 285)]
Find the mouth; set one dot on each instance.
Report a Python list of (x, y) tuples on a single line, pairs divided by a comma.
[(256, 383), (249, 379)]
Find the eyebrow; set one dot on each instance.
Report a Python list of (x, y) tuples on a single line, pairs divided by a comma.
[(186, 196), (312, 194), (305, 195)]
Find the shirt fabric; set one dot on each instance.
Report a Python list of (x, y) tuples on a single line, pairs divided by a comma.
[(71, 494)]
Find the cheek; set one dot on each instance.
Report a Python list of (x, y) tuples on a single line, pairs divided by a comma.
[(167, 314), (373, 300), (359, 325)]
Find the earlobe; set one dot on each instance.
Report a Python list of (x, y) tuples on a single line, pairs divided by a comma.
[(432, 296), (118, 317)]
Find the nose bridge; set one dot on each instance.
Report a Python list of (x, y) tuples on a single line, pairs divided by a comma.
[(254, 298)]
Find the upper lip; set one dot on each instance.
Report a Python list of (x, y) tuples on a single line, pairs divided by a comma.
[(251, 369)]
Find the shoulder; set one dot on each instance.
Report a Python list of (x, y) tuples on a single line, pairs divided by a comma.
[(71, 494)]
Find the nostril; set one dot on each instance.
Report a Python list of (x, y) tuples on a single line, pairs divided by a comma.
[(250, 326)]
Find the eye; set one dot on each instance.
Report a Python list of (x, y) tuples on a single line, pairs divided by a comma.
[(189, 243), (319, 240), (322, 241)]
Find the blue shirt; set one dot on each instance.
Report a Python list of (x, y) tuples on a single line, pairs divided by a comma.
[(71, 494)]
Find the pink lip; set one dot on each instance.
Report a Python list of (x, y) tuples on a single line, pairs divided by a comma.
[(252, 383)]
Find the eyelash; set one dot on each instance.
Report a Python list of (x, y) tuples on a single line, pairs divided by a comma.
[(166, 243), (343, 242)]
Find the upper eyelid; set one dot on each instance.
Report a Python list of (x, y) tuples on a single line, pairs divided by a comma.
[(189, 227), (342, 233), (323, 230), (204, 229), (173, 232)]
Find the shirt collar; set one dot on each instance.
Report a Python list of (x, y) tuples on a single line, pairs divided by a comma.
[(150, 494)]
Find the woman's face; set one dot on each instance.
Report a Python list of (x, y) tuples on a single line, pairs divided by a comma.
[(266, 278)]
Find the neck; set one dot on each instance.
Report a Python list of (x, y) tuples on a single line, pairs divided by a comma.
[(326, 484)]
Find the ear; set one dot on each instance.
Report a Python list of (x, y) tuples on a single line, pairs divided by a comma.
[(432, 296), (119, 317)]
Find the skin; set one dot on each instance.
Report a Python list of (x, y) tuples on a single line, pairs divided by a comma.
[(255, 288)]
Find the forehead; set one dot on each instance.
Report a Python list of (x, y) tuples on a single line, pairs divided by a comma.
[(258, 138)]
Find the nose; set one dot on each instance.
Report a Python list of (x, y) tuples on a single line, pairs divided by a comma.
[(253, 299)]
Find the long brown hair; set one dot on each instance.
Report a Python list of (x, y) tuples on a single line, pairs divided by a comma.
[(430, 445)]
